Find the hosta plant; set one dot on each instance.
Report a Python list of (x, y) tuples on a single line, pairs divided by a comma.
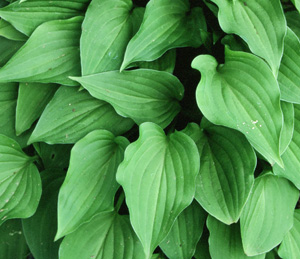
[(149, 129)]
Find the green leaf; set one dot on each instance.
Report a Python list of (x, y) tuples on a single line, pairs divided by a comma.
[(290, 246), (227, 171), (244, 95), (107, 235), (225, 241), (289, 72), (8, 48), (297, 4), (107, 28), (272, 254), (293, 21), (12, 240), (71, 114), (9, 32), (288, 126), (142, 95), (158, 176), (202, 249), (40, 229), (26, 16), (167, 24), (93, 166), (32, 100), (185, 233), (290, 157), (20, 182), (268, 214), (50, 55), (260, 23)]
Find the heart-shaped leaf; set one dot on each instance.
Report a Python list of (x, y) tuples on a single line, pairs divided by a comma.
[(40, 229), (260, 23), (20, 182), (50, 55), (185, 233), (227, 170), (291, 157), (289, 72), (225, 241), (290, 246), (93, 166), (244, 95), (167, 24), (32, 100), (72, 114), (158, 176), (142, 95), (268, 214), (26, 16), (107, 235)]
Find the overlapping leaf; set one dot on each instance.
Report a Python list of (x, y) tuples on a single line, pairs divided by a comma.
[(290, 246), (297, 4), (9, 32), (244, 95), (32, 99), (260, 23), (107, 28), (50, 55), (291, 157), (158, 176), (72, 114), (8, 48), (142, 95), (40, 229), (288, 125), (225, 241), (93, 166), (293, 21), (226, 173), (167, 24), (26, 16), (112, 237), (20, 183), (185, 233), (268, 214)]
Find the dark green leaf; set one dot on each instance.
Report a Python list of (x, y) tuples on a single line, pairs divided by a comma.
[(8, 48), (142, 95), (293, 21), (72, 114), (158, 176), (9, 32)]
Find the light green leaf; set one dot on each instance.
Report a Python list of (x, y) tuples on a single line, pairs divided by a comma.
[(20, 182), (167, 24), (185, 233), (291, 157), (8, 48), (260, 23), (107, 28), (92, 171), (50, 55), (226, 173), (268, 214), (32, 100), (293, 21), (142, 95), (225, 241), (244, 95), (297, 4), (288, 125), (290, 246), (40, 229), (289, 72), (12, 240), (26, 16), (9, 32), (158, 176), (107, 235), (72, 114)]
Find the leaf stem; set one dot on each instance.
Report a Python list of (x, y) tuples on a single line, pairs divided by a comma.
[(120, 201)]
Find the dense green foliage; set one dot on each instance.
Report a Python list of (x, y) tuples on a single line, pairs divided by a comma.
[(113, 145)]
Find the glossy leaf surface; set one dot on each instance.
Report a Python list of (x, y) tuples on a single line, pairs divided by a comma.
[(50, 55), (268, 214), (244, 95), (93, 166), (158, 176), (72, 114)]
